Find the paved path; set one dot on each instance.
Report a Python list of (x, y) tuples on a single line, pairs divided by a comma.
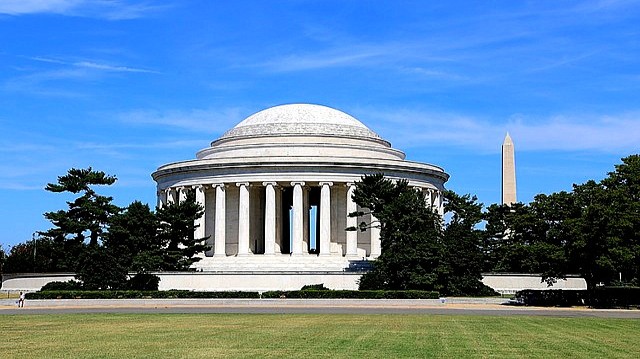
[(466, 306)]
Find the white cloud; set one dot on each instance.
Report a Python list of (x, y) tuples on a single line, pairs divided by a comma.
[(107, 9), (91, 64), (424, 129), (21, 7), (105, 67), (211, 121), (41, 82)]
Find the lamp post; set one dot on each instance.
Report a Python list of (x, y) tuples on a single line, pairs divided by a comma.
[(35, 248)]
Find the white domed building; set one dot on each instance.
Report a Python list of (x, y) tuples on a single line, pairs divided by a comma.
[(276, 189)]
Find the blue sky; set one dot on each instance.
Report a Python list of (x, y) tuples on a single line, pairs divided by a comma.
[(126, 86)]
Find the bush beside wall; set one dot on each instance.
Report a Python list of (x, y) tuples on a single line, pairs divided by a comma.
[(601, 297), (616, 297), (353, 294), (135, 294)]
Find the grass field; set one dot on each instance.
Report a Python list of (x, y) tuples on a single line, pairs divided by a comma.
[(314, 336)]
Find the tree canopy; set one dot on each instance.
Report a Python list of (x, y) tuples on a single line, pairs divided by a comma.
[(419, 251), (592, 231), (103, 243)]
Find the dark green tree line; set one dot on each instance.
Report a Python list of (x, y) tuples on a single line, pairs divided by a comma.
[(592, 231), (103, 243)]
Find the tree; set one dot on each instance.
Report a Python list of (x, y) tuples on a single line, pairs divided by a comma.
[(35, 255), (623, 189), (133, 236), (3, 257), (88, 214), (101, 268), (410, 234), (462, 244), (593, 231), (176, 233)]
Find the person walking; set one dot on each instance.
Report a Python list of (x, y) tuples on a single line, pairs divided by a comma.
[(21, 300)]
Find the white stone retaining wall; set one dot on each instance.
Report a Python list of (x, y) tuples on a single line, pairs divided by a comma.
[(509, 283), (263, 281)]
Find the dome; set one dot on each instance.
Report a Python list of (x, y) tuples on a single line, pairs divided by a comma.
[(300, 119)]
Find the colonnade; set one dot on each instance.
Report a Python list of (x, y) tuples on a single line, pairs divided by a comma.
[(281, 235)]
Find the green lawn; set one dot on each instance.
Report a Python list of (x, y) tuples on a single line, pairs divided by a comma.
[(309, 336)]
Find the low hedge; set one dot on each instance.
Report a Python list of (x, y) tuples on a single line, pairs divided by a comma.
[(552, 297), (353, 294), (309, 294), (615, 297), (600, 297), (135, 294)]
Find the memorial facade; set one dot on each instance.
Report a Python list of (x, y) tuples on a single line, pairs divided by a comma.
[(277, 187)]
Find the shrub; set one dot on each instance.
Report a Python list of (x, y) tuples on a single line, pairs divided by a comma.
[(552, 297), (135, 294), (615, 297), (314, 287), (143, 281), (353, 294), (68, 285), (600, 297)]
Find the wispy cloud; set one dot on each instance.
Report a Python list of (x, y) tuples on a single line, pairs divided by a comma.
[(43, 81), (97, 66), (107, 9), (38, 83), (153, 145), (336, 57), (424, 129), (89, 64), (211, 121)]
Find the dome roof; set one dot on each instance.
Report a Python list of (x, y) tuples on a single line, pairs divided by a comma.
[(300, 119)]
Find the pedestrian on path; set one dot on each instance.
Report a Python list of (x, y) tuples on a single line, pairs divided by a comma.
[(21, 300)]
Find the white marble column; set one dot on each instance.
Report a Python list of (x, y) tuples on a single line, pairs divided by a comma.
[(199, 222), (306, 227), (325, 218), (352, 236), (375, 238), (427, 197), (220, 225), (182, 194), (162, 198), (440, 204), (209, 219), (243, 219), (269, 218), (298, 218), (170, 193)]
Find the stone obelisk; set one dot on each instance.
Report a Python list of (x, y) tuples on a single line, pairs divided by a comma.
[(508, 172)]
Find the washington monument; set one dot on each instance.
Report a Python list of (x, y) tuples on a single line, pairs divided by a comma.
[(508, 172)]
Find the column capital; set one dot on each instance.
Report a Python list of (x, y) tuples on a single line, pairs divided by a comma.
[(197, 186), (301, 183), (270, 183), (325, 183), (215, 185), (240, 184)]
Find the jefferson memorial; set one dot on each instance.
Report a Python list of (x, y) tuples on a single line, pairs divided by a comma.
[(276, 190)]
